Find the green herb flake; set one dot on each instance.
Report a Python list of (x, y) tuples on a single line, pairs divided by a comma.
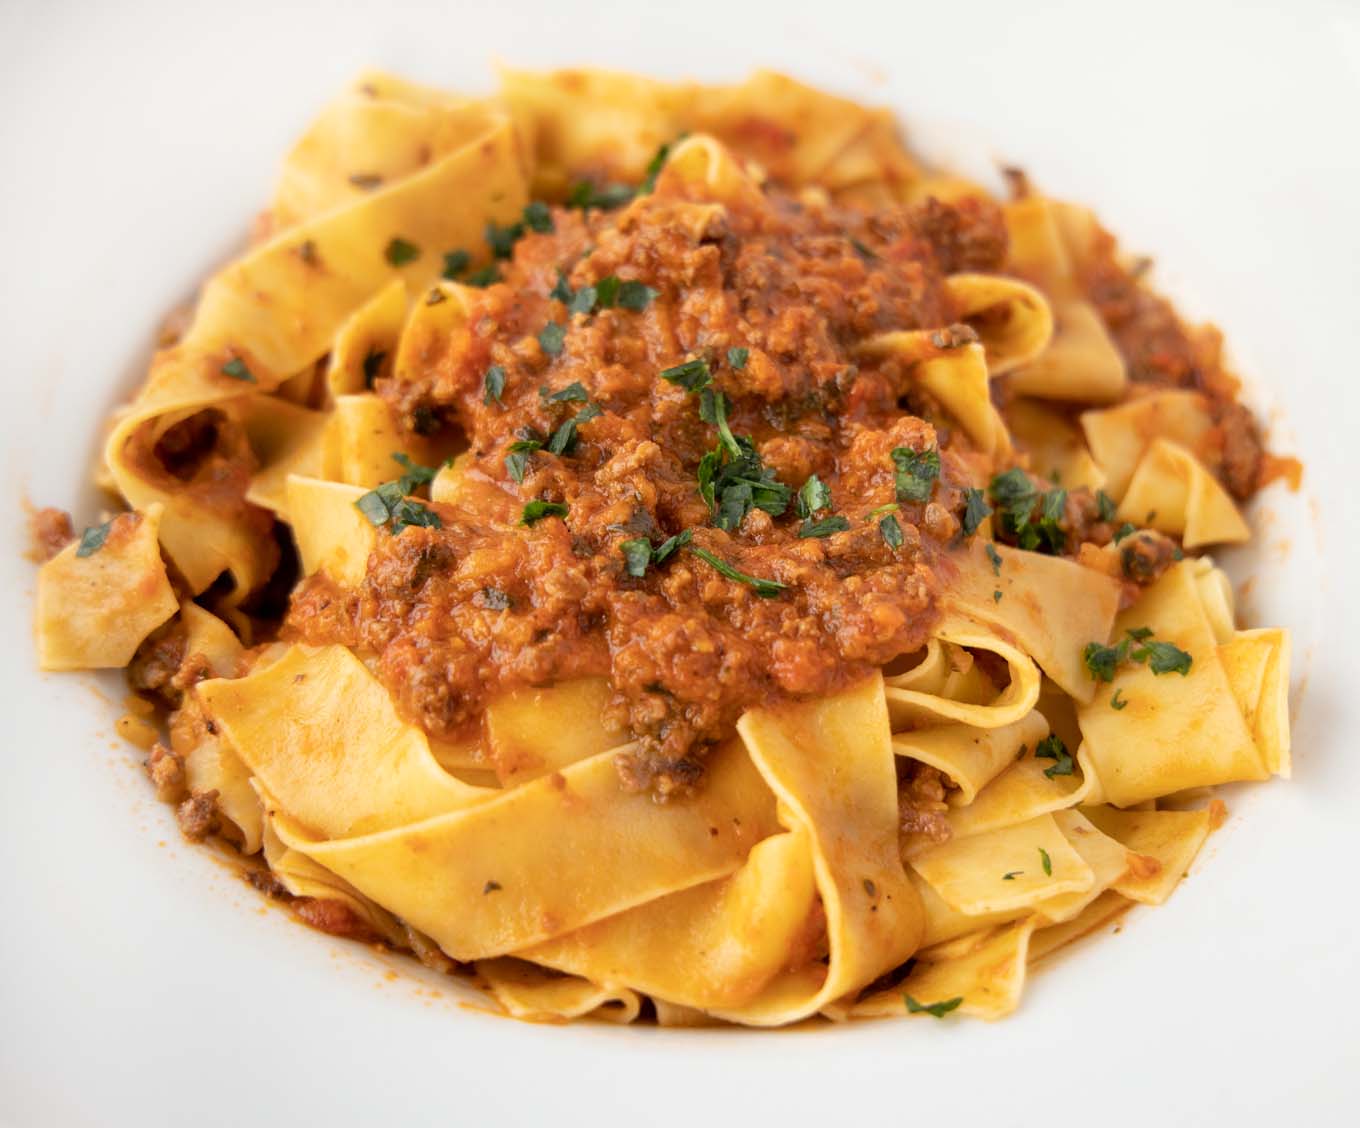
[(636, 296), (583, 301), (1102, 661), (538, 217), (1105, 506), (766, 589), (863, 250), (939, 1010), (653, 170), (563, 440), (237, 370), (916, 473), (517, 457), (93, 538), (551, 338), (975, 511), (584, 194), (995, 558), (637, 555), (671, 545), (575, 392), (537, 510), (1164, 658), (825, 527), (692, 375), (1046, 861), (486, 276), (814, 495), (1012, 875), (737, 358), (996, 595), (400, 252), (607, 291), (502, 240), (1117, 702), (455, 264), (892, 532), (1053, 748), (493, 385), (561, 292), (1124, 530)]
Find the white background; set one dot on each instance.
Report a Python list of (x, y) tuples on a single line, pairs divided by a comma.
[(140, 983)]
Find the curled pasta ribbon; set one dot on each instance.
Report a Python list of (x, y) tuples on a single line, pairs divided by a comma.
[(95, 610), (1221, 721), (1012, 318), (527, 991)]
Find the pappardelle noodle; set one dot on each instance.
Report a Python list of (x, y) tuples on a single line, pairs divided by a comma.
[(664, 551)]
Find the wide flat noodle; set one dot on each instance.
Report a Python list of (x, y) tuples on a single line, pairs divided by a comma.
[(1104, 909), (1081, 362), (95, 610), (364, 440), (971, 757), (1022, 792), (1173, 492), (1057, 450), (1173, 731), (331, 534), (1165, 842), (1051, 606), (286, 439), (831, 764), (1257, 665), (366, 342), (1118, 436), (532, 731), (529, 992), (1012, 318)]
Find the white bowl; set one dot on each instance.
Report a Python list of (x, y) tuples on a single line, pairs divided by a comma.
[(143, 983)]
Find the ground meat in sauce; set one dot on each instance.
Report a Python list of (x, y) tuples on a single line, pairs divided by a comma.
[(921, 792), (456, 614), (49, 531), (198, 816), (1145, 555)]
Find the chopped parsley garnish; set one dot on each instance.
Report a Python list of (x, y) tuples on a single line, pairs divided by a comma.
[(1046, 861), (1105, 507), (653, 170), (635, 295), (561, 292), (517, 457), (737, 358), (732, 478), (455, 263), (584, 194), (637, 554), (1117, 702), (863, 250), (1011, 875), (484, 277), (1138, 645), (564, 438), (583, 301), (1124, 530), (536, 510), (502, 240), (766, 589), (996, 595), (373, 361), (995, 558), (237, 370), (1053, 748), (575, 392), (975, 511), (538, 217), (939, 1010), (692, 375), (814, 495), (390, 505), (916, 473), (1164, 658), (825, 527), (713, 409), (1034, 519), (607, 291), (493, 384), (93, 538), (892, 532), (551, 337), (400, 251)]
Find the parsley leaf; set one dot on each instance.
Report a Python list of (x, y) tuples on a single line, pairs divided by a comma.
[(1101, 661), (1124, 530), (1046, 861), (484, 277), (975, 511), (517, 457), (584, 195), (388, 504), (607, 291), (766, 589), (1116, 702), (995, 558), (575, 392), (561, 292), (93, 538), (493, 384), (825, 527), (916, 473), (814, 495), (637, 554), (399, 252), (538, 217), (671, 545), (536, 510), (892, 532), (737, 358), (654, 167), (636, 296), (1053, 748), (502, 240), (583, 301), (455, 263), (237, 370), (551, 338), (692, 375), (1011, 875), (939, 1010), (1105, 507), (564, 438), (1164, 658), (713, 409)]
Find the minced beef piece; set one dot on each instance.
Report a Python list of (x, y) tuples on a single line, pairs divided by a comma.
[(921, 802), (166, 769), (1145, 555), (1242, 449), (334, 918), (49, 531), (157, 661), (198, 816)]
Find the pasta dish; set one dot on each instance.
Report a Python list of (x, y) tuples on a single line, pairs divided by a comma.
[(663, 551)]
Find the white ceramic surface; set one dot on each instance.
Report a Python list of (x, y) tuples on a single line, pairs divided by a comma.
[(141, 983)]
